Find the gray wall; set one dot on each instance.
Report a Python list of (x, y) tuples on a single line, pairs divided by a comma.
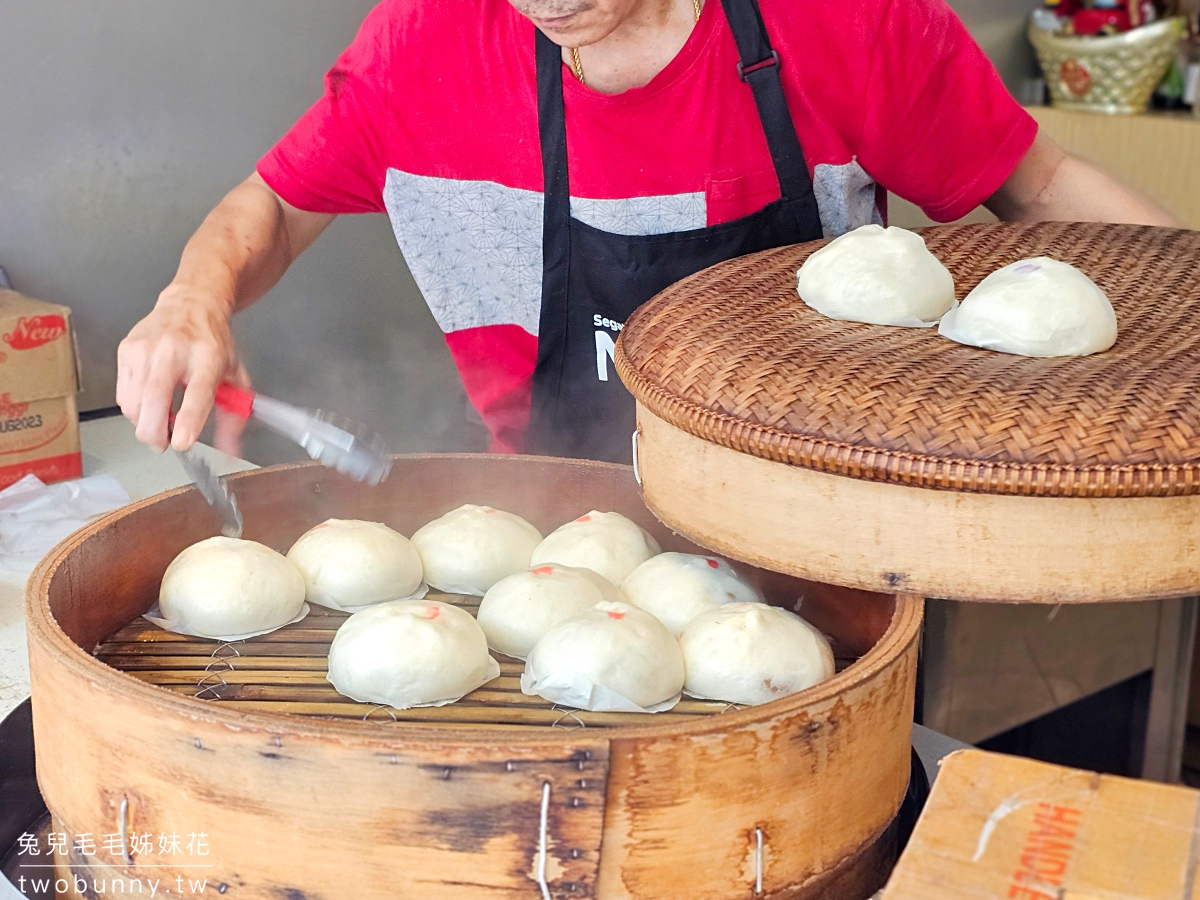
[(999, 27), (124, 121)]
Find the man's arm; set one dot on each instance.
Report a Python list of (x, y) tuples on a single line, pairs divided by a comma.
[(1050, 184), (239, 253)]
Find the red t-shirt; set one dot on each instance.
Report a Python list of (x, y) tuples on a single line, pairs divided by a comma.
[(431, 116)]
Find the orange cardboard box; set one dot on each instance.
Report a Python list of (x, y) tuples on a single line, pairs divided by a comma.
[(1000, 827), (39, 378)]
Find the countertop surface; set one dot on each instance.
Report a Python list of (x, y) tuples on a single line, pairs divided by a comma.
[(109, 447)]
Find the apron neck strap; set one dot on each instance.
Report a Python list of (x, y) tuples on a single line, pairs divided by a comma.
[(759, 67), (553, 130)]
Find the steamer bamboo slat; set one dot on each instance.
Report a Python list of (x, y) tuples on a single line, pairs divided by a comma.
[(890, 458), (294, 681), (304, 793)]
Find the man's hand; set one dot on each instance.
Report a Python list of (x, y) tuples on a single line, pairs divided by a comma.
[(238, 254), (1050, 184), (185, 340)]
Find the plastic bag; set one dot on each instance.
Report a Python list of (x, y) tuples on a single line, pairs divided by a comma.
[(579, 692), (35, 516), (154, 614)]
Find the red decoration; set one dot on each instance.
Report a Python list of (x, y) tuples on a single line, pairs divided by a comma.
[(1064, 8), (1096, 21), (33, 331), (1075, 77)]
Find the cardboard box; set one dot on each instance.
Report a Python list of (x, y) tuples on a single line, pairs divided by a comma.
[(1004, 827), (39, 378)]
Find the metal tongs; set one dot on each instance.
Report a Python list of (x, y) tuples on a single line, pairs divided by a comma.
[(214, 490), (330, 439), (211, 487)]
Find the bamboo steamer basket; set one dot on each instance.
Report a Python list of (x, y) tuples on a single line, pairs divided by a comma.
[(304, 795), (891, 459)]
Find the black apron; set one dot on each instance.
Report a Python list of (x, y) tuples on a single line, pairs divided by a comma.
[(580, 408), (589, 275)]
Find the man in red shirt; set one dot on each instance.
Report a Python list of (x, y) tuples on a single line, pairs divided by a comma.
[(549, 165)]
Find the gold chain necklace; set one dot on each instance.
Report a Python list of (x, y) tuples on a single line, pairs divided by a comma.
[(577, 66)]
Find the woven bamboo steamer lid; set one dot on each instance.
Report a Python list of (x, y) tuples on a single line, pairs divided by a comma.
[(891, 458)]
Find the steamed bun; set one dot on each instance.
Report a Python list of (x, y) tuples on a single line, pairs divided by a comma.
[(517, 610), (605, 542), (409, 653), (877, 275), (468, 550), (751, 653), (614, 656), (677, 587), (1036, 307), (347, 564), (228, 588)]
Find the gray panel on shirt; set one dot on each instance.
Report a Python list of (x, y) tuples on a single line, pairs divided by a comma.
[(475, 247)]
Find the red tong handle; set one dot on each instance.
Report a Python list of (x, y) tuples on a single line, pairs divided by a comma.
[(234, 399)]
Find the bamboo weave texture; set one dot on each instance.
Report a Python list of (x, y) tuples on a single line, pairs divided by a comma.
[(284, 672), (733, 356)]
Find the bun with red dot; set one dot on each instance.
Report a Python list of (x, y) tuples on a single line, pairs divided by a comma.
[(517, 610), (605, 542), (677, 587), (409, 653), (612, 657)]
